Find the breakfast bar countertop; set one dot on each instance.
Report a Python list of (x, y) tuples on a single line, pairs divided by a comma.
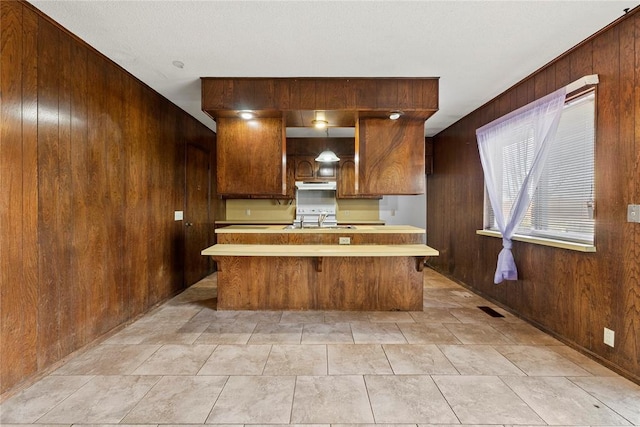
[(321, 250), (357, 229)]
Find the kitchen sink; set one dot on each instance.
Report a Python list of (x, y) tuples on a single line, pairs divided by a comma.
[(327, 227)]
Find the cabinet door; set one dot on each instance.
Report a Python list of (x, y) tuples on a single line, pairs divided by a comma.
[(326, 171), (390, 156), (346, 179), (304, 168), (307, 169), (251, 156)]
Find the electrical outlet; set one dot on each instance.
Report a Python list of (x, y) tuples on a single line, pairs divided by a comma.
[(633, 213), (609, 337), (178, 215), (247, 212), (344, 240)]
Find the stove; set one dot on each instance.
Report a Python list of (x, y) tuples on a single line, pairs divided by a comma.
[(315, 204)]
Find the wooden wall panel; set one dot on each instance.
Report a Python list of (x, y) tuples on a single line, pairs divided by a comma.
[(18, 260), (51, 264), (92, 169), (81, 191), (570, 294)]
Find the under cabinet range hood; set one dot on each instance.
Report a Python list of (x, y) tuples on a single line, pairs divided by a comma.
[(327, 185)]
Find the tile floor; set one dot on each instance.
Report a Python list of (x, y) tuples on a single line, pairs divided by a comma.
[(451, 364)]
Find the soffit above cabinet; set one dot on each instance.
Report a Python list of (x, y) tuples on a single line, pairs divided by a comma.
[(341, 100)]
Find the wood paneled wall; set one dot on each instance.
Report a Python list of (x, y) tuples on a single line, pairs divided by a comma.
[(92, 168), (573, 295)]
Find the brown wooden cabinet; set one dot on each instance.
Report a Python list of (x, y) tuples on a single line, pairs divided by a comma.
[(346, 178), (428, 156), (307, 169), (251, 157), (390, 156), (347, 181)]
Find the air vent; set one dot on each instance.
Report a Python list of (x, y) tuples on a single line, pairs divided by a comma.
[(490, 311)]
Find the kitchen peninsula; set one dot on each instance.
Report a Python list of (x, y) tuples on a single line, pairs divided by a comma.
[(334, 268)]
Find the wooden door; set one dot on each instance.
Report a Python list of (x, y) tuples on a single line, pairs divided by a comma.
[(197, 225)]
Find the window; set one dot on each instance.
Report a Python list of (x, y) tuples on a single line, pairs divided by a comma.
[(563, 204)]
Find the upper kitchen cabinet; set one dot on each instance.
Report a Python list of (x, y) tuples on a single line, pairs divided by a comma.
[(308, 169), (342, 99), (251, 157), (390, 156)]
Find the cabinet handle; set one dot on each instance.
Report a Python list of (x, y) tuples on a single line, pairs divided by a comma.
[(188, 224)]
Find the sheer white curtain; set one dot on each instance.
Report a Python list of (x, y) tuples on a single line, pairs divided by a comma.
[(513, 150)]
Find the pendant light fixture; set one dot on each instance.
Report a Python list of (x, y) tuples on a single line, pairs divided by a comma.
[(327, 156)]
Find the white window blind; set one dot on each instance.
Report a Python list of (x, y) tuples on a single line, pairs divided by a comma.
[(563, 204)]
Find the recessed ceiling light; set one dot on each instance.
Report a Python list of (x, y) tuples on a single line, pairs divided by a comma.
[(178, 64), (395, 115), (247, 115)]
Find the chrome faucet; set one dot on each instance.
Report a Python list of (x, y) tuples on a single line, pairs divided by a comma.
[(321, 219), (301, 221)]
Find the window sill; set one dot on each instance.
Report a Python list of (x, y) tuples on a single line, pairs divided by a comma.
[(572, 246)]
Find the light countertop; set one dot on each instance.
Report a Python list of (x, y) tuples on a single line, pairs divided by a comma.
[(320, 250), (369, 229)]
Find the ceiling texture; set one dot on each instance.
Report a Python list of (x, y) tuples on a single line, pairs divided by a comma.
[(478, 49)]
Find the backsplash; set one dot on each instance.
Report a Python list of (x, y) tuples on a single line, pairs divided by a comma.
[(284, 210)]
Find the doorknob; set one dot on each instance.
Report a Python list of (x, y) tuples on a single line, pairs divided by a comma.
[(188, 224)]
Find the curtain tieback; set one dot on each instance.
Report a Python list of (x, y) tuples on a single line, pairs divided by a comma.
[(507, 243)]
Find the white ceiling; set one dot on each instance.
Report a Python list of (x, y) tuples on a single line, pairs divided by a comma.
[(477, 48)]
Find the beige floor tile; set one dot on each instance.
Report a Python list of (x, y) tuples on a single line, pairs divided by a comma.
[(485, 400), (586, 363), (346, 316), (434, 315), (408, 359), (227, 333), (103, 400), (32, 403), (175, 359), (617, 393), (276, 333), (211, 316), (331, 399), (475, 315), (407, 399), (349, 359), (178, 399), (391, 317), (525, 334), (559, 401), (540, 361), (236, 360), (258, 316), (268, 402), (297, 360), (302, 317), (479, 360), (460, 298), (327, 333), (377, 425), (108, 359), (422, 333), (377, 333), (330, 352), (476, 333)]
